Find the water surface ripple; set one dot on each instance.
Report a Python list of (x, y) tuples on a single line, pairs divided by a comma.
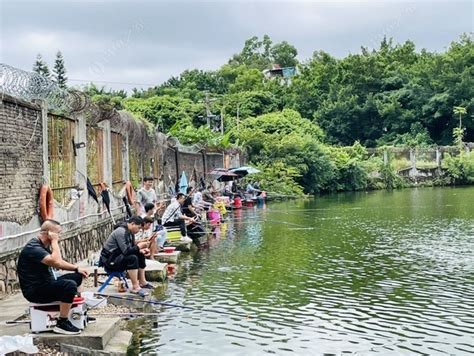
[(387, 273)]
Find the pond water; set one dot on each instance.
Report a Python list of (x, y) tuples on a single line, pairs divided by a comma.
[(385, 273)]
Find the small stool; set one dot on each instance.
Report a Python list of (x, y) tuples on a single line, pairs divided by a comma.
[(119, 275)]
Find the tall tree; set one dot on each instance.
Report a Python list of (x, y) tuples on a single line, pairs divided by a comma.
[(60, 71), (41, 67), (284, 54)]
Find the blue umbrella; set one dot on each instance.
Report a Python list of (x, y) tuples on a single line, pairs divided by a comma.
[(183, 183)]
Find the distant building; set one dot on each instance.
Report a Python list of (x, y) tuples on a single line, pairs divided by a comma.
[(279, 72)]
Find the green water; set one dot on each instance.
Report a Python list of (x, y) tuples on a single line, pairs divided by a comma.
[(385, 273)]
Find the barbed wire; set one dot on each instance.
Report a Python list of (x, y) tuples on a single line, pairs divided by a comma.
[(30, 86)]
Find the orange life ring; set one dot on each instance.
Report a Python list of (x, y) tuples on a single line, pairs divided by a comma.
[(102, 186), (130, 192), (46, 202)]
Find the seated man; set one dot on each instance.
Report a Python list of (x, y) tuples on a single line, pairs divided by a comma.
[(149, 231), (120, 253), (174, 217), (199, 202), (37, 281)]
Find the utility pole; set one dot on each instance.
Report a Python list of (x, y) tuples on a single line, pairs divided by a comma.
[(238, 117), (207, 103), (222, 121)]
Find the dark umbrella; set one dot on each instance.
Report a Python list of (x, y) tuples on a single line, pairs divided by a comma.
[(127, 206), (243, 171), (91, 191), (106, 200), (227, 177), (224, 175)]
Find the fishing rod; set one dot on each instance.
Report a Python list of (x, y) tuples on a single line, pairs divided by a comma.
[(262, 220), (289, 323)]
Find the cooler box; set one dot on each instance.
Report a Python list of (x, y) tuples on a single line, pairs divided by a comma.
[(173, 234), (44, 316)]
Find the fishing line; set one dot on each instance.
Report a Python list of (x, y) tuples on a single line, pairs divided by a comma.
[(288, 323), (263, 220)]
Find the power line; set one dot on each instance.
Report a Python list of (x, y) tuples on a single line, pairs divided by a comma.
[(106, 82)]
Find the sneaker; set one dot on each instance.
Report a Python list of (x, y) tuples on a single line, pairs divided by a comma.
[(65, 327), (186, 239)]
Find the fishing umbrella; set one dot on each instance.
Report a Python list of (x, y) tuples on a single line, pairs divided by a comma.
[(91, 190), (219, 171), (224, 175), (183, 183), (227, 177), (106, 200), (127, 206), (243, 171)]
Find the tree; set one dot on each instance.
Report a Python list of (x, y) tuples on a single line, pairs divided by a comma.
[(284, 54), (41, 67), (164, 111), (459, 110), (60, 71), (105, 98)]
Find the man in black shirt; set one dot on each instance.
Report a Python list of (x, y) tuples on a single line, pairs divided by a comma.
[(37, 281), (188, 208), (195, 229), (122, 253)]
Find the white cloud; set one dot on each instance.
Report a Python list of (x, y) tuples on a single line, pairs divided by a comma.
[(149, 41)]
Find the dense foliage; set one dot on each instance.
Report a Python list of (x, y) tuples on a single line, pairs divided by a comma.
[(314, 126)]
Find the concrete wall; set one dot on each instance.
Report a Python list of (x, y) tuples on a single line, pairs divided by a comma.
[(191, 162), (24, 167), (214, 160)]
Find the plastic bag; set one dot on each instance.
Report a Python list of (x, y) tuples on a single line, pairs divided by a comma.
[(17, 343)]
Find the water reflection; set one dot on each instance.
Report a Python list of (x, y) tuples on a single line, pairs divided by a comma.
[(367, 273)]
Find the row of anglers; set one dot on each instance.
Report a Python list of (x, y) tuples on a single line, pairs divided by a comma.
[(127, 248)]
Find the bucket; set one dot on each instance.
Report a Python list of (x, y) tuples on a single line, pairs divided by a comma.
[(169, 249), (237, 202), (214, 215), (92, 301)]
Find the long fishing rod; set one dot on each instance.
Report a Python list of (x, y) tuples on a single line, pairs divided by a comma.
[(262, 220), (235, 314)]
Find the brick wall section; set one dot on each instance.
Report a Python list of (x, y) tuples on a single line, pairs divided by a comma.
[(21, 159), (75, 246)]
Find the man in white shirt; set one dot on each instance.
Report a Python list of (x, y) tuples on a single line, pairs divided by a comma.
[(174, 217), (145, 195), (199, 202)]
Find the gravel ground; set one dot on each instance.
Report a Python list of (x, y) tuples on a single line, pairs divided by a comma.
[(48, 350), (112, 309)]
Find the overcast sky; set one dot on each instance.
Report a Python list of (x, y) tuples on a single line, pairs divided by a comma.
[(146, 42)]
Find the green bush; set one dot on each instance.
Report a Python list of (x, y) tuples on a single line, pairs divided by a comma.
[(460, 169)]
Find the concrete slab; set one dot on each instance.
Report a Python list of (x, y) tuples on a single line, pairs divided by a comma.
[(95, 336), (156, 271), (12, 307), (172, 257), (181, 246), (117, 346)]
